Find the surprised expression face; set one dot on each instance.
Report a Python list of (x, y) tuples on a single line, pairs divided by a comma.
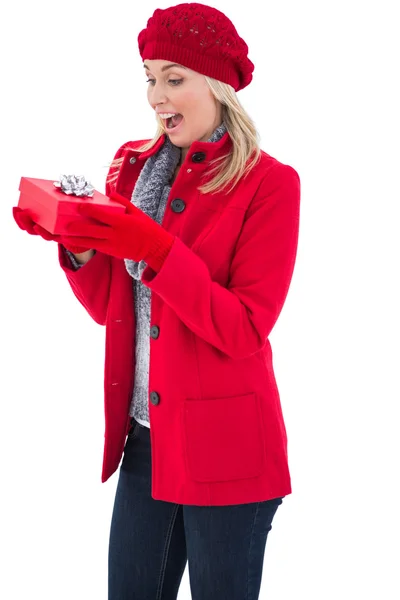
[(177, 90)]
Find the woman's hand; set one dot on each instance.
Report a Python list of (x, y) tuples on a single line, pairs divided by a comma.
[(132, 235), (25, 222)]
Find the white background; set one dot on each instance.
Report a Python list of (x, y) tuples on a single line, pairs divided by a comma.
[(325, 100)]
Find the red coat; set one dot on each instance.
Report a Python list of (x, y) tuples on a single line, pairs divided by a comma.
[(217, 431)]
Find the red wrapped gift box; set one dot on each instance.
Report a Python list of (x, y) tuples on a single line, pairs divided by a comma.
[(52, 209)]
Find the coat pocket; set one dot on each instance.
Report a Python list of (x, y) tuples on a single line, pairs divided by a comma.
[(223, 438)]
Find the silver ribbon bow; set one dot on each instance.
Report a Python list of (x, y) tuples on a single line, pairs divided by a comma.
[(74, 184)]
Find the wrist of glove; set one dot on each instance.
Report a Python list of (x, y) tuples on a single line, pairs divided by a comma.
[(26, 223)]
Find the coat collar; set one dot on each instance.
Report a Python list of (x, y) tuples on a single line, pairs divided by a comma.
[(211, 149)]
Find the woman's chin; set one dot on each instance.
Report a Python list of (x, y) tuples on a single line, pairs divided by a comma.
[(180, 140)]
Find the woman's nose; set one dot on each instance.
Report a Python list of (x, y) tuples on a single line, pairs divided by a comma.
[(158, 95)]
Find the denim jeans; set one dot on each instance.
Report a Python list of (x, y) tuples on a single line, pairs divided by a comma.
[(151, 540)]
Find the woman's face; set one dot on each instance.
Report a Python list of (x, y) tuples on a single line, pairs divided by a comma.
[(177, 89)]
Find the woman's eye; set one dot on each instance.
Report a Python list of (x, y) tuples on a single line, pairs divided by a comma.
[(173, 81)]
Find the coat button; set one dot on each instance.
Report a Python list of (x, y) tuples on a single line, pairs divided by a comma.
[(154, 398), (155, 332), (178, 205), (132, 160), (198, 157)]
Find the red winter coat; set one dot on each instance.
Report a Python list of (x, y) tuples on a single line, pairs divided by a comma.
[(217, 431)]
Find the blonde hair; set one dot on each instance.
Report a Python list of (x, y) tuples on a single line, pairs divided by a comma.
[(229, 168)]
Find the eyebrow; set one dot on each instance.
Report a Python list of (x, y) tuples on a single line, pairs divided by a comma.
[(167, 67)]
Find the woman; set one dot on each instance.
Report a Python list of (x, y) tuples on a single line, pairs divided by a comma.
[(191, 401)]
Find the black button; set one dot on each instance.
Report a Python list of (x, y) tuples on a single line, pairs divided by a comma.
[(178, 205), (198, 156), (154, 332), (154, 398)]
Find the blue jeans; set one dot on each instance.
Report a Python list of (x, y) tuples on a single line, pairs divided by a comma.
[(151, 540)]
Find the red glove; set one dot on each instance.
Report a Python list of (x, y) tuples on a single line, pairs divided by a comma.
[(26, 223), (132, 235)]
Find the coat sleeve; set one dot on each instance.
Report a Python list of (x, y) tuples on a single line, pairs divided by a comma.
[(238, 319), (91, 282)]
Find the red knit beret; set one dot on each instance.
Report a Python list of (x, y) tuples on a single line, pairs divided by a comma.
[(198, 37)]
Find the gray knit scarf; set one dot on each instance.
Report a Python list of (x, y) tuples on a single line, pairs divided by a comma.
[(153, 186)]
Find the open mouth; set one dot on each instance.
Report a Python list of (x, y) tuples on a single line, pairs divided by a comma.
[(173, 123)]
